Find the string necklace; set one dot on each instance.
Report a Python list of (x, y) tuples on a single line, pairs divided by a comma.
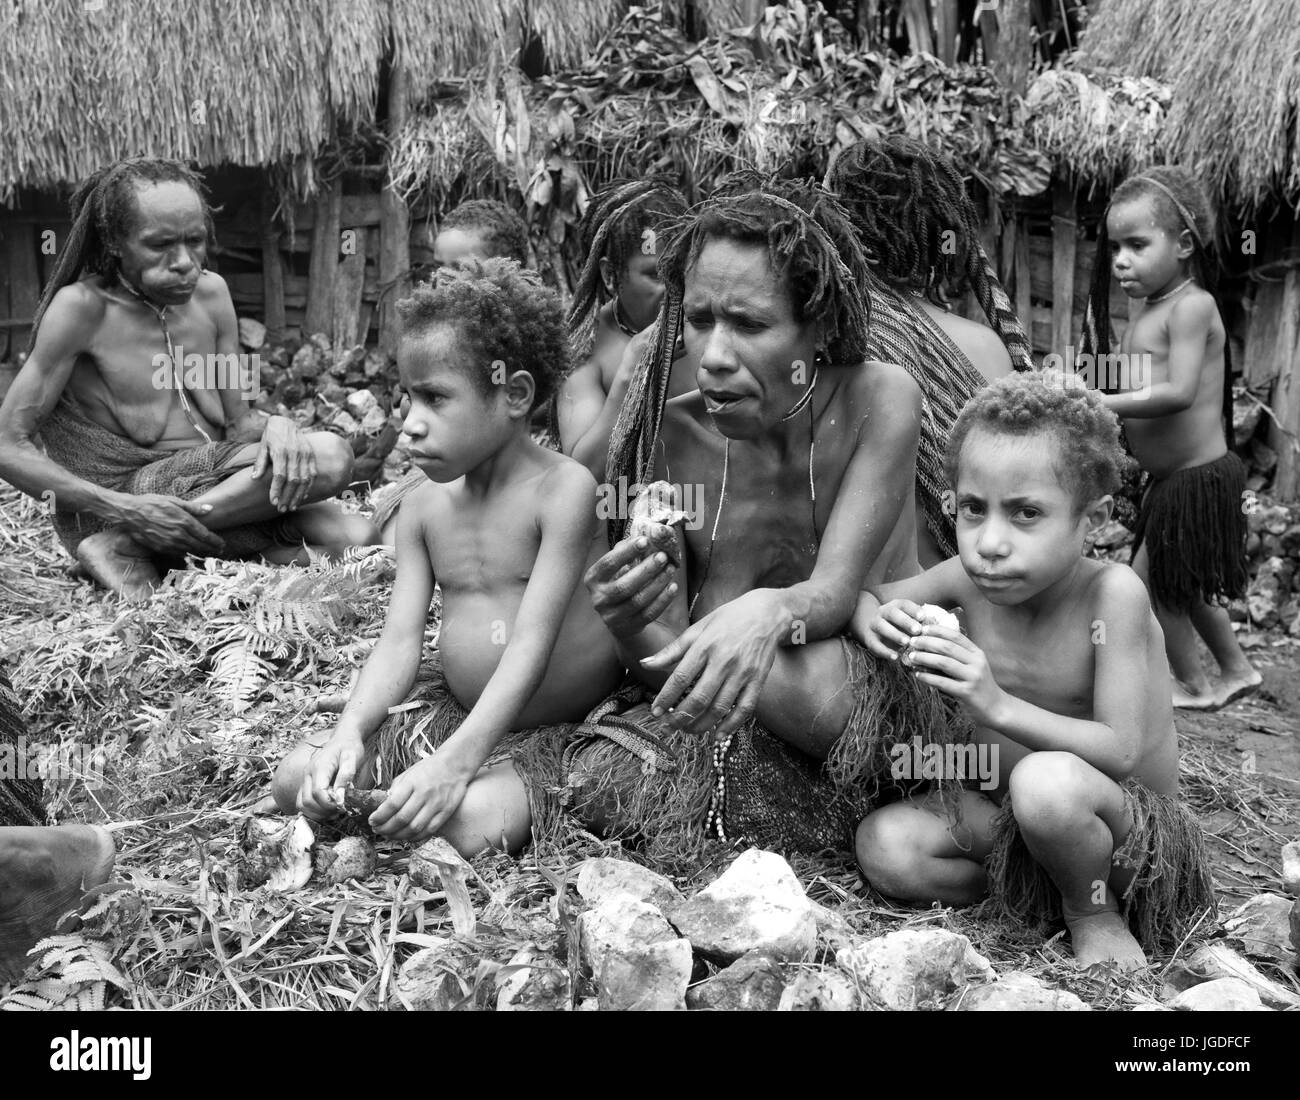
[(1168, 293), (623, 326), (804, 402), (161, 313)]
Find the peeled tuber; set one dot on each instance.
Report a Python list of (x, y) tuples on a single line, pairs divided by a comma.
[(934, 615), (653, 514)]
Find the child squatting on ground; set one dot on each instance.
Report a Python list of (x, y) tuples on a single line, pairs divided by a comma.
[(509, 527), (1062, 667), (1190, 540)]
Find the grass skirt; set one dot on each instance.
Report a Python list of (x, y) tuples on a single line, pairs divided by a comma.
[(21, 799), (111, 461), (1194, 530), (1171, 886), (776, 796)]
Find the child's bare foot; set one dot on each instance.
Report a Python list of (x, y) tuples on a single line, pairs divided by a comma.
[(1234, 685), (1198, 698), (43, 874), (1104, 938), (119, 563)]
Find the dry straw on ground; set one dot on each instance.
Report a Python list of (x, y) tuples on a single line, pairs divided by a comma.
[(196, 756)]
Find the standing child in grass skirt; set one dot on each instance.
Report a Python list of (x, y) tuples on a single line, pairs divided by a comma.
[(1175, 399), (481, 229), (1062, 670), (508, 526)]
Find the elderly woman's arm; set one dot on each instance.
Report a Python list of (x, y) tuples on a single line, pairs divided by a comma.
[(728, 653)]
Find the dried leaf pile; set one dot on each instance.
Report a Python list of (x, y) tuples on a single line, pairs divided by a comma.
[(191, 700)]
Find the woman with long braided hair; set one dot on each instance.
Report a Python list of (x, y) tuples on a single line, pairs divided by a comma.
[(799, 455), (135, 384), (920, 232), (616, 298)]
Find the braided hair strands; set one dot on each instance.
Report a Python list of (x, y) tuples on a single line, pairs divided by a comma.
[(611, 229), (920, 229), (811, 244), (102, 207)]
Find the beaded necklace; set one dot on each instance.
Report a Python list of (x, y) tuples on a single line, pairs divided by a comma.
[(161, 312), (1168, 293)]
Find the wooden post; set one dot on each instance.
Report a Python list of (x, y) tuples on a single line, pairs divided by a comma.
[(272, 270), (1024, 280), (394, 226), (1011, 47), (24, 281), (349, 281), (1065, 240), (1284, 433), (324, 261), (5, 312), (916, 16), (947, 23)]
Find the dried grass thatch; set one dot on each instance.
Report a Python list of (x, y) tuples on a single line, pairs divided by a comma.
[(1234, 75), (238, 82)]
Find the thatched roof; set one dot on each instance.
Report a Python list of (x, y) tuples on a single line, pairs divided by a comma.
[(1233, 74), (246, 82)]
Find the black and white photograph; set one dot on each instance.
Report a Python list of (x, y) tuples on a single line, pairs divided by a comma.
[(679, 506)]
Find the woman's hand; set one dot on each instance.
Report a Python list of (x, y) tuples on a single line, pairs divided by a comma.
[(291, 460), (727, 656), (631, 586)]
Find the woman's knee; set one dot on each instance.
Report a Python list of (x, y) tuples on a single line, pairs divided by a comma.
[(334, 461)]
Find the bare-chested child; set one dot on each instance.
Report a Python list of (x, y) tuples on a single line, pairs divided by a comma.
[(1062, 670), (480, 229), (509, 527), (145, 462), (1174, 395), (615, 300)]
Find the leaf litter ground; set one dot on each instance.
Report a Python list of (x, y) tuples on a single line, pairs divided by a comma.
[(177, 712)]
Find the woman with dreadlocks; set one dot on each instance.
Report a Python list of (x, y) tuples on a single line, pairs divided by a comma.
[(1174, 397), (801, 456), (147, 457), (616, 298), (920, 233)]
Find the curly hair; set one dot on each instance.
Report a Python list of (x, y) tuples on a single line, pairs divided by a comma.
[(810, 242), (502, 231), (611, 229), (103, 207), (504, 311), (1181, 205), (1090, 460)]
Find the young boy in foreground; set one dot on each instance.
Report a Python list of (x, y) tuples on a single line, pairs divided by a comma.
[(509, 527), (1062, 667)]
